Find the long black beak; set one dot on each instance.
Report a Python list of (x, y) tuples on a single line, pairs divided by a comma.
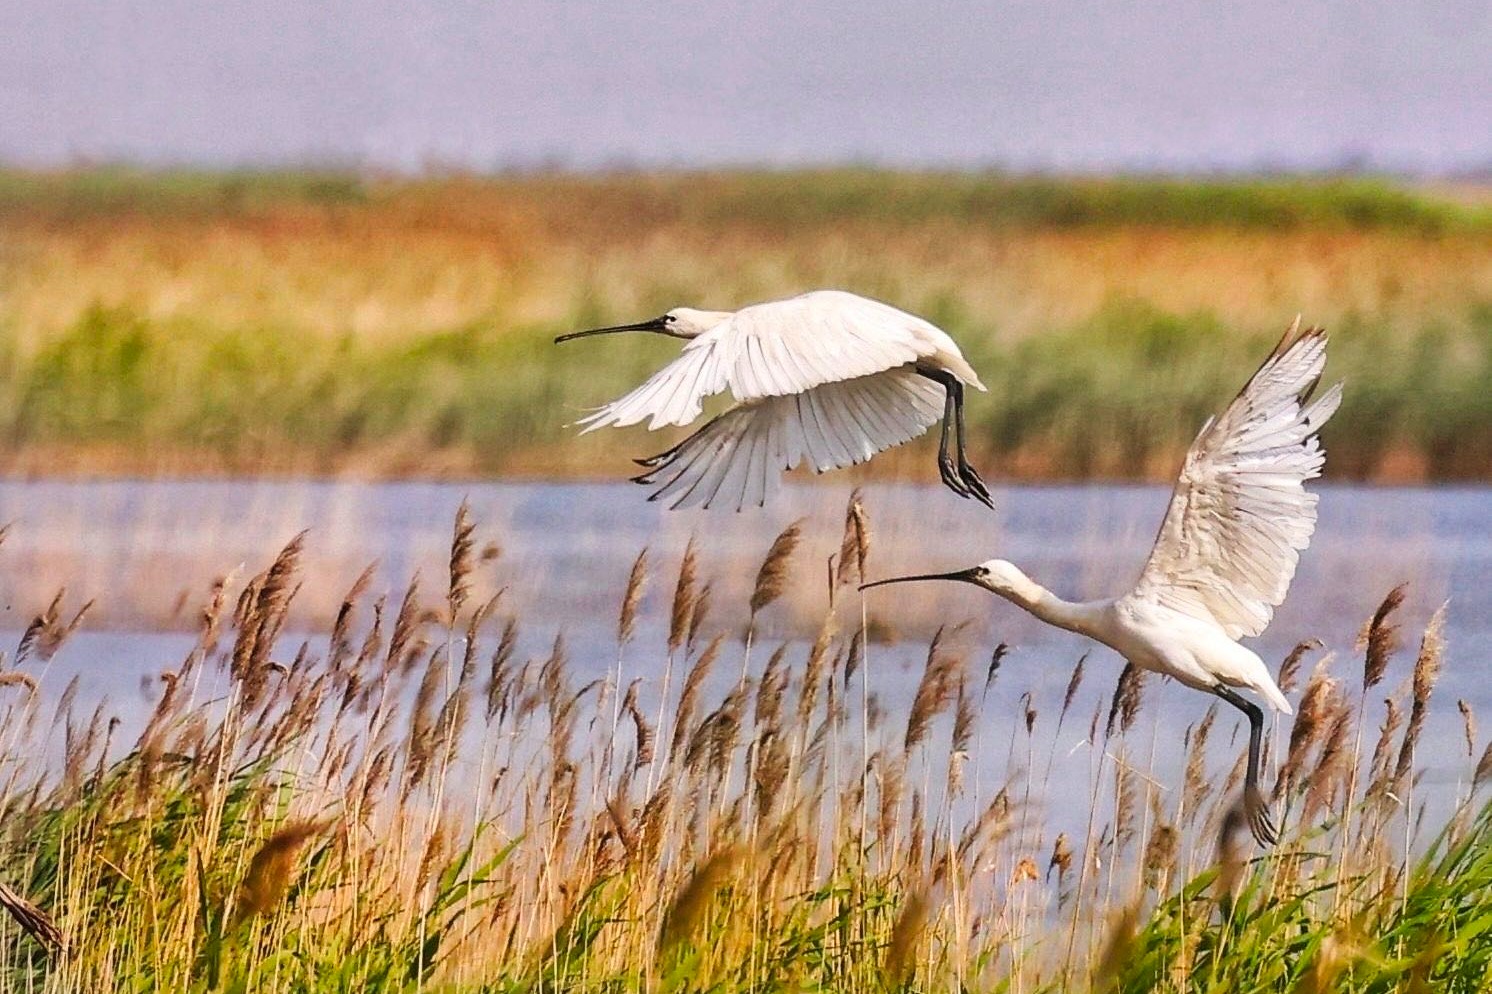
[(652, 324), (962, 575)]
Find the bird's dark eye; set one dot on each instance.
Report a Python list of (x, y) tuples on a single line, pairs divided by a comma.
[(669, 319)]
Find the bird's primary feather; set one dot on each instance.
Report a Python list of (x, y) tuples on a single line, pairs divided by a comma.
[(737, 458), (1240, 513)]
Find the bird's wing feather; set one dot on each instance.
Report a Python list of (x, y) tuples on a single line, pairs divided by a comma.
[(789, 346), (737, 459), (670, 396), (1240, 513)]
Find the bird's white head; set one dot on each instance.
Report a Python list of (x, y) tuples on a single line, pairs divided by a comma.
[(681, 322), (997, 576)]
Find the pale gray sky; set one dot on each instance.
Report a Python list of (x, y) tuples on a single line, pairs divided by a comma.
[(1085, 85)]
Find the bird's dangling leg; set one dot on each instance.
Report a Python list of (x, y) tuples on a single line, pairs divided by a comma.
[(946, 468), (971, 478), (1255, 808), (954, 473)]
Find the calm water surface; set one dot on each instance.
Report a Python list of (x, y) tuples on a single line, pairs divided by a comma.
[(146, 551)]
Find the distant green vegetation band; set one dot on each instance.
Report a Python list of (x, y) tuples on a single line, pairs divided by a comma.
[(1118, 396)]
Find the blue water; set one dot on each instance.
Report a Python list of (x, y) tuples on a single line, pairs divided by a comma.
[(147, 551)]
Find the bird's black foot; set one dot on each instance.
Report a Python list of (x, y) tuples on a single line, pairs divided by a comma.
[(952, 478), (1256, 810), (976, 486)]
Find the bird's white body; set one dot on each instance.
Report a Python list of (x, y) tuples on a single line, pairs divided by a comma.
[(1226, 551), (828, 378), (1153, 636)]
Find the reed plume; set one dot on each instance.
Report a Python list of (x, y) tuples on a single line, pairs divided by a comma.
[(271, 869), (1290, 666), (626, 622), (461, 565), (683, 599), (690, 906), (1426, 672), (906, 936), (1380, 638), (854, 545), (36, 922), (772, 577)]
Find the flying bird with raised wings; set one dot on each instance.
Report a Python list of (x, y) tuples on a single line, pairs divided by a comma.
[(1226, 553), (828, 378)]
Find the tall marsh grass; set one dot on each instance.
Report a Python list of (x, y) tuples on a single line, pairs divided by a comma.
[(408, 802), (331, 323)]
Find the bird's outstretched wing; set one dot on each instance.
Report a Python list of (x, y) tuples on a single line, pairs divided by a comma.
[(670, 396), (781, 348), (737, 459), (1240, 513)]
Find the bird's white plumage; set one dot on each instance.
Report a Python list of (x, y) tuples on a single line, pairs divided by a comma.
[(737, 458), (785, 347), (1225, 555), (1240, 513)]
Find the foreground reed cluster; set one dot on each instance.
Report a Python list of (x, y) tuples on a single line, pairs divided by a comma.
[(411, 801)]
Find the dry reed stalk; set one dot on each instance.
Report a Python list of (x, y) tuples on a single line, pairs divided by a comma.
[(626, 622), (46, 633), (813, 672), (271, 868), (1468, 726), (1160, 857), (906, 936), (698, 616), (935, 691), (689, 697), (1061, 860), (963, 736), (643, 731), (683, 599), (341, 641), (1073, 683), (1118, 948), (1195, 786), (1380, 638), (12, 678), (260, 616), (461, 565), (403, 650), (1334, 765), (772, 578), (1124, 706), (854, 546), (1393, 718), (996, 657), (500, 672), (1317, 705), (1290, 667), (854, 658), (769, 694), (36, 922), (691, 905), (1426, 672), (1126, 802)]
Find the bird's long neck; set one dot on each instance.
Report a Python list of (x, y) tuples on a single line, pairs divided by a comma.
[(1027, 594)]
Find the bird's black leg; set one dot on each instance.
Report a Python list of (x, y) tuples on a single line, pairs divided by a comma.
[(1255, 808), (971, 478), (952, 479), (946, 469)]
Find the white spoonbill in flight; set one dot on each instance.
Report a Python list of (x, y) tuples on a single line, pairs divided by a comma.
[(827, 376), (1226, 552)]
